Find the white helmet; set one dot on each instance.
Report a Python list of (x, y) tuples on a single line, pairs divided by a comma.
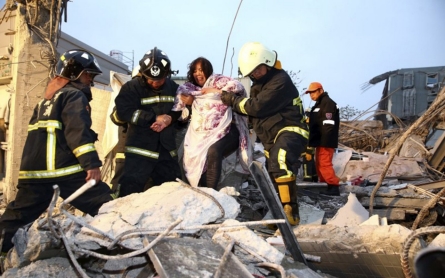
[(135, 71), (253, 54)]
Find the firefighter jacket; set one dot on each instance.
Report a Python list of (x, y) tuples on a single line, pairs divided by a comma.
[(60, 142), (324, 123), (274, 106), (139, 105)]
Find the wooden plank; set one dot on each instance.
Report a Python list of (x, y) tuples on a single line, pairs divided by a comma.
[(432, 185), (396, 202), (189, 257), (270, 196), (391, 214)]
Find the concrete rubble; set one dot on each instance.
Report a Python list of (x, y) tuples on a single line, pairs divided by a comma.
[(333, 230)]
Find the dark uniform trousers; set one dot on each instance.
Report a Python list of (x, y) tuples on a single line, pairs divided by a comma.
[(34, 198), (285, 153), (139, 169)]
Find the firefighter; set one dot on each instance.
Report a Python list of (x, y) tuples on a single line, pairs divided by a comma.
[(275, 111), (59, 148), (309, 171), (145, 104), (324, 125)]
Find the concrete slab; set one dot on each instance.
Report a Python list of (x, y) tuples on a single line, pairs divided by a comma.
[(351, 214), (358, 251), (187, 257), (310, 214)]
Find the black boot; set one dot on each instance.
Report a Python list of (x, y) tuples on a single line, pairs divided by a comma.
[(333, 190)]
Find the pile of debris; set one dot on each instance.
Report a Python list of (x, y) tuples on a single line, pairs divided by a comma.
[(392, 193), (172, 230)]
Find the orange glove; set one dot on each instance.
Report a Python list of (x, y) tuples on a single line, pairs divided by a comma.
[(308, 156)]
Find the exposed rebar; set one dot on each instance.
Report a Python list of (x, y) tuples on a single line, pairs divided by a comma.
[(149, 231), (134, 253), (223, 213), (438, 102), (224, 259), (404, 257)]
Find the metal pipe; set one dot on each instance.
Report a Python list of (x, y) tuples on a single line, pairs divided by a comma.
[(79, 191)]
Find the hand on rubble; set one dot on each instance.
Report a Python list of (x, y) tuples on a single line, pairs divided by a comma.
[(93, 174)]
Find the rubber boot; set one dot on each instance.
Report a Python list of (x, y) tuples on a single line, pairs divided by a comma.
[(333, 190), (287, 189)]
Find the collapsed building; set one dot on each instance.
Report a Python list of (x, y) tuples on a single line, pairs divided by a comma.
[(391, 205)]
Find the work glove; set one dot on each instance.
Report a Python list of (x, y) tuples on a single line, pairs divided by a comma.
[(228, 98), (309, 153), (117, 121)]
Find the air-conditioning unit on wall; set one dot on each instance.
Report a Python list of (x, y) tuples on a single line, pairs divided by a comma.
[(5, 71)]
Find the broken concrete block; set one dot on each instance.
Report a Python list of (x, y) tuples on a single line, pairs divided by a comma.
[(131, 265), (229, 190), (351, 214), (310, 214), (372, 169), (32, 243), (355, 251), (438, 241), (55, 267), (156, 209), (373, 220), (248, 239)]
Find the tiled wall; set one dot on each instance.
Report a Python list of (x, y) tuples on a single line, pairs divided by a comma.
[(353, 265)]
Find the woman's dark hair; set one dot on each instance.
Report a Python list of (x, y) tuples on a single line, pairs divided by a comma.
[(206, 66)]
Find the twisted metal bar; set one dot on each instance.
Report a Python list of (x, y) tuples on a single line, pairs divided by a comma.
[(71, 255), (274, 266), (51, 209), (149, 231), (224, 259), (134, 253), (223, 213), (79, 192), (404, 257)]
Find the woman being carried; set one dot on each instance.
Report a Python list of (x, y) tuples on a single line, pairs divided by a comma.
[(214, 131)]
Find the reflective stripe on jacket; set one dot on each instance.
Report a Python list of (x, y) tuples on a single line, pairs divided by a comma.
[(60, 141)]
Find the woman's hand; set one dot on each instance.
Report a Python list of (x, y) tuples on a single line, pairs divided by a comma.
[(210, 90), (187, 99), (162, 121)]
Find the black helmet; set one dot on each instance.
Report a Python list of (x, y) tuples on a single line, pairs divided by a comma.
[(74, 62), (155, 64)]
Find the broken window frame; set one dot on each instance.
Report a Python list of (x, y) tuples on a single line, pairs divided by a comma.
[(408, 80), (432, 80)]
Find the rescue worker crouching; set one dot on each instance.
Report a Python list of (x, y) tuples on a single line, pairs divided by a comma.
[(145, 103), (275, 111)]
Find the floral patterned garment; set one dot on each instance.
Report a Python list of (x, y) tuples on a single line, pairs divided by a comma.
[(210, 122)]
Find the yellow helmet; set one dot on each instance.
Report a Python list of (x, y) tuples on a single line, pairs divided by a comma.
[(253, 54)]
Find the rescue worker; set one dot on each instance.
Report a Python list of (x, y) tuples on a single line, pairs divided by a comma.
[(118, 151), (59, 148), (145, 103), (309, 171), (275, 111), (324, 125)]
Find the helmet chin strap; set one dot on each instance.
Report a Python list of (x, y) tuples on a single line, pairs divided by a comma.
[(86, 89)]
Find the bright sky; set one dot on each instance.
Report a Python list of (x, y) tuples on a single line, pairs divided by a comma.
[(340, 43)]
